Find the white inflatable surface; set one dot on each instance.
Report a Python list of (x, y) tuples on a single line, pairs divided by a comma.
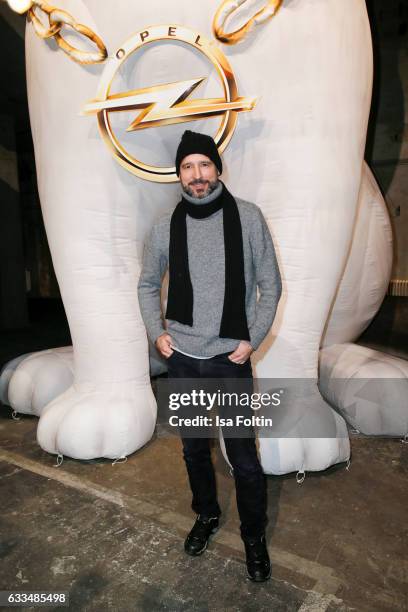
[(369, 388), (367, 270), (6, 374)]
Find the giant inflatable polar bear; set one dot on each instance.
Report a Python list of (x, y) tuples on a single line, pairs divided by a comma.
[(298, 155)]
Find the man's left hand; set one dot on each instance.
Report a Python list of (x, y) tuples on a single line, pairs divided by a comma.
[(241, 353)]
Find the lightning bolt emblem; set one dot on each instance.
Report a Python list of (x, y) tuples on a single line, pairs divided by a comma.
[(166, 104)]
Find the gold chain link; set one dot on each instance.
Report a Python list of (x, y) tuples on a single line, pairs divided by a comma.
[(57, 19), (229, 7), (40, 29)]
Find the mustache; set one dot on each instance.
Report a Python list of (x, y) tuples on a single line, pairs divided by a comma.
[(198, 182)]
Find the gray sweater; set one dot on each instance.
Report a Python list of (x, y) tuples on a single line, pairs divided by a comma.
[(205, 243)]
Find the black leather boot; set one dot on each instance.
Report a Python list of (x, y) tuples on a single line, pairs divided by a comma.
[(197, 540), (257, 559)]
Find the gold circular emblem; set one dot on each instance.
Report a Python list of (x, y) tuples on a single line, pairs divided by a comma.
[(167, 103)]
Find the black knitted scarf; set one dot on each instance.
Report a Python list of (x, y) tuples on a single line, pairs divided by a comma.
[(180, 295)]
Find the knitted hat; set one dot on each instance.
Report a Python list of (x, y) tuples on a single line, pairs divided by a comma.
[(194, 142)]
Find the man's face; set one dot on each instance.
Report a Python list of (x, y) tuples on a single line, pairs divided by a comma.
[(198, 175)]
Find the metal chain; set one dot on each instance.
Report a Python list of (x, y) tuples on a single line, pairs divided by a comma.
[(40, 29), (58, 18), (229, 7)]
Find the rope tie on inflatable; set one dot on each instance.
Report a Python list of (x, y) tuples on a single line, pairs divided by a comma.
[(348, 464), (300, 478), (404, 440), (121, 459), (14, 416), (60, 459), (57, 19)]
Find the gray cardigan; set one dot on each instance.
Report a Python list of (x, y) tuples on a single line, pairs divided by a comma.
[(205, 242)]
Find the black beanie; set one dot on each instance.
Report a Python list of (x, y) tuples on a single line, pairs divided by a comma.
[(194, 142)]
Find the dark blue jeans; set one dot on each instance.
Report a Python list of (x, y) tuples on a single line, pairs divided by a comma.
[(250, 484)]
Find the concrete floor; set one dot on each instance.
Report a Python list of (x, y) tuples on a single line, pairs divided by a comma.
[(112, 535)]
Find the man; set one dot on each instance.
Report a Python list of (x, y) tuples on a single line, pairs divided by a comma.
[(219, 252)]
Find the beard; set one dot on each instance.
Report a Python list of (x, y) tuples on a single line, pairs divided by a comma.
[(212, 186)]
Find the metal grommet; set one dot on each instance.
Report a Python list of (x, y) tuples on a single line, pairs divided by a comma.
[(300, 476)]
